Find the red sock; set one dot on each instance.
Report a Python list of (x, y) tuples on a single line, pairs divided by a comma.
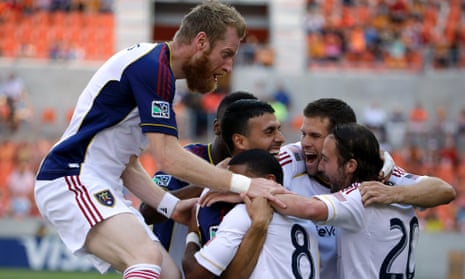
[(142, 271)]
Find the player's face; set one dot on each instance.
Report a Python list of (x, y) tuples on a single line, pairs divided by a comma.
[(314, 131), (264, 132), (203, 71), (330, 167)]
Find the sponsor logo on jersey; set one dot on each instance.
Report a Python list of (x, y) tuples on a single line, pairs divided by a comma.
[(162, 179), (105, 198), (160, 109)]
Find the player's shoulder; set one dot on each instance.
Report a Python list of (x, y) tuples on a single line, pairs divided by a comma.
[(198, 149), (290, 153)]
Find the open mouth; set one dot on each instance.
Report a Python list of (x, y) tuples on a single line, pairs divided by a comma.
[(310, 157)]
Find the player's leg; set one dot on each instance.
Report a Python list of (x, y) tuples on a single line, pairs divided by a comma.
[(169, 269), (123, 242)]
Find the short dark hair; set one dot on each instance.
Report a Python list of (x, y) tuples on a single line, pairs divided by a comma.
[(259, 162), (355, 141), (236, 118), (336, 110), (231, 98)]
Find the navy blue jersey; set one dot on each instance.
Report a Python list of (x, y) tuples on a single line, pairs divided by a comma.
[(131, 94), (166, 231), (209, 218)]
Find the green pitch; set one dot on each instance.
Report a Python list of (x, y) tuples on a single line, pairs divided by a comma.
[(33, 274)]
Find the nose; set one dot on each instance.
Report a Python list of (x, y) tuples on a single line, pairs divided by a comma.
[(280, 137), (228, 64)]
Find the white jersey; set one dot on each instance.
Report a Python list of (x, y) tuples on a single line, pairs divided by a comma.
[(79, 181), (290, 249), (292, 162), (307, 186), (374, 241)]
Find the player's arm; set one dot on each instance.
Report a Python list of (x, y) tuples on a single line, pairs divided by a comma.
[(192, 269), (426, 192), (246, 258), (151, 215), (310, 208), (175, 160), (138, 181)]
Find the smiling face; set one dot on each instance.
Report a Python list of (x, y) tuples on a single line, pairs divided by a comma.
[(314, 131), (337, 174), (264, 132), (204, 68)]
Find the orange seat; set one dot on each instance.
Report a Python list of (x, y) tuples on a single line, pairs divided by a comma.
[(48, 116)]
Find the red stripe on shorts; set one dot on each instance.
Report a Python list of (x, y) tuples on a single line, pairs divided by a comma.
[(88, 209)]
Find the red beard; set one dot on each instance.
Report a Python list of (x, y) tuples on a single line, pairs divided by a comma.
[(198, 75)]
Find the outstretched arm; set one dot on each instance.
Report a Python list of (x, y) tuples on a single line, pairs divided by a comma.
[(427, 192), (303, 207), (175, 160)]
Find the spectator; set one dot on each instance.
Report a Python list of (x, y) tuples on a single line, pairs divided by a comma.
[(14, 90), (21, 184)]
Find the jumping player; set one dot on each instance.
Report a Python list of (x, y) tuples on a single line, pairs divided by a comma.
[(126, 106)]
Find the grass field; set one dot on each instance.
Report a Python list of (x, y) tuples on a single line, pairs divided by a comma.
[(33, 274)]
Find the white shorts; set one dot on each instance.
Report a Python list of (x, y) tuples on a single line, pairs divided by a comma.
[(74, 204)]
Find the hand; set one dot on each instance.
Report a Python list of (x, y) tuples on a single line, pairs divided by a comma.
[(150, 214), (213, 196), (261, 187), (183, 211), (375, 192), (259, 210), (387, 168)]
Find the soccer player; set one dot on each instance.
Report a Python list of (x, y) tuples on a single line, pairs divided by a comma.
[(126, 106), (169, 232), (300, 166), (290, 248), (373, 241), (246, 124)]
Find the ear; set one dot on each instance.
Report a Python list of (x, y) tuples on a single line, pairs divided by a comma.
[(351, 166), (239, 141), (216, 127), (201, 41)]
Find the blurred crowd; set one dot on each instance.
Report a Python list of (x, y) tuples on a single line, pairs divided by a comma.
[(421, 141), (387, 34), (57, 29)]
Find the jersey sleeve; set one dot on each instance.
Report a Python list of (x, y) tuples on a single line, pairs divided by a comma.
[(400, 177), (168, 182), (292, 162), (216, 255), (152, 82), (345, 208)]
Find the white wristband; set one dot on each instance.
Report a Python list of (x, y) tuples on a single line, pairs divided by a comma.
[(167, 205), (194, 238), (240, 183)]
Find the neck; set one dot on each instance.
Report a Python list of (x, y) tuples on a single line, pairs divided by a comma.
[(219, 151)]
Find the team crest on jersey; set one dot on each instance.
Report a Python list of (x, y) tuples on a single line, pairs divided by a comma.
[(105, 198), (162, 179), (160, 109)]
